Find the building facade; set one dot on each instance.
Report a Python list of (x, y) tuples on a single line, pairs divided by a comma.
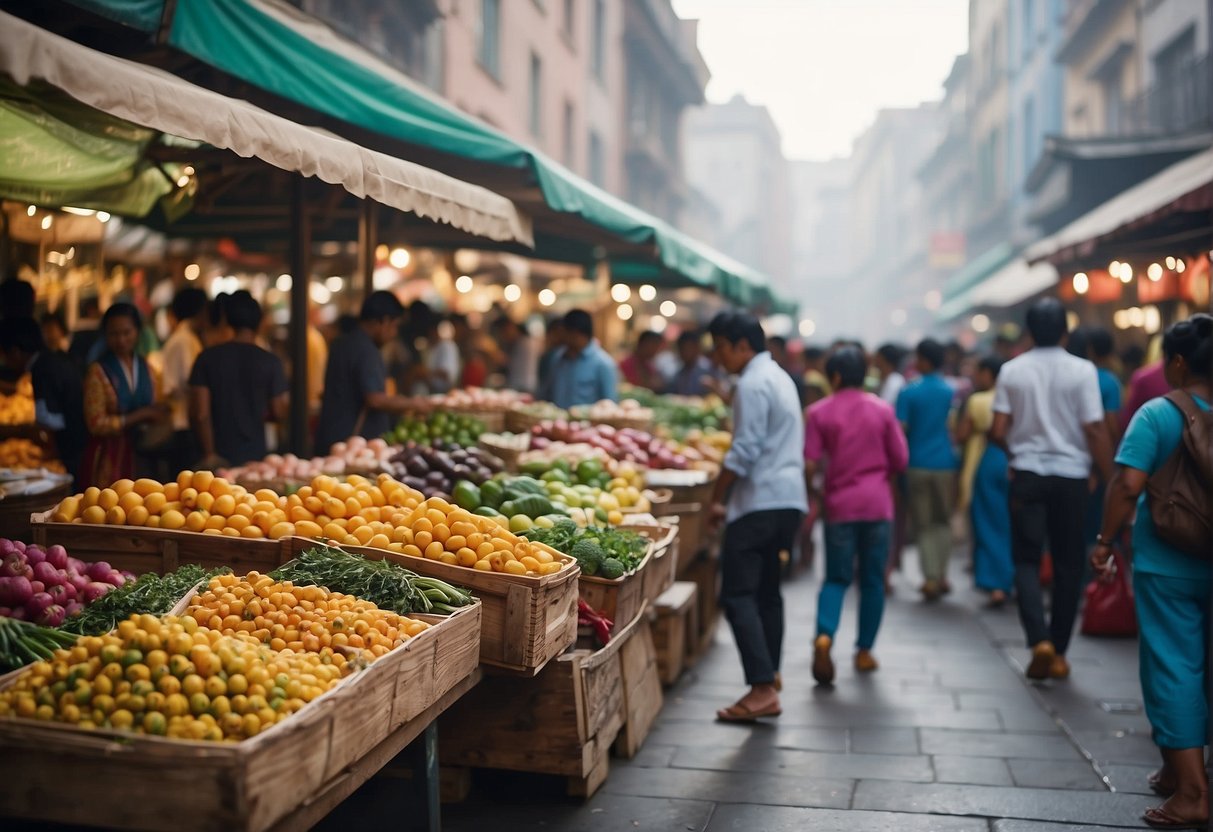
[(734, 156), (820, 223)]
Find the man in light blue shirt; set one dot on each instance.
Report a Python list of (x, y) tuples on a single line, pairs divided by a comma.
[(763, 483), (582, 372)]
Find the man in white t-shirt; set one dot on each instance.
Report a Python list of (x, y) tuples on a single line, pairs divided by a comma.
[(1049, 417)]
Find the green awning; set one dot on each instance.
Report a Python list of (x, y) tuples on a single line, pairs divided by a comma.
[(138, 14), (56, 151), (283, 51), (976, 270)]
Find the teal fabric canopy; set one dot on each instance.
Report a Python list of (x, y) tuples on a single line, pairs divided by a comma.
[(285, 52)]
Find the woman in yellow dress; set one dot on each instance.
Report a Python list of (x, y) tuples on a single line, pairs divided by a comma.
[(986, 471)]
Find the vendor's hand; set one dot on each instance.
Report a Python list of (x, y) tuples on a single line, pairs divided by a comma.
[(716, 515), (1102, 562)]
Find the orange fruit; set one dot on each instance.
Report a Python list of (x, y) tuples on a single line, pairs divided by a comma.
[(129, 500), (107, 499), (172, 519), (115, 516), (93, 514), (137, 516), (145, 487), (122, 487)]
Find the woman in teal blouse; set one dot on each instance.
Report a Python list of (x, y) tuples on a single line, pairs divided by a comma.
[(1172, 587)]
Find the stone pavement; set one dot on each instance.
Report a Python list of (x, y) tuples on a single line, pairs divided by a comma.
[(947, 736)]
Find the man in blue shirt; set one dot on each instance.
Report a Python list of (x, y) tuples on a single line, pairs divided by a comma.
[(923, 407), (582, 372), (763, 483)]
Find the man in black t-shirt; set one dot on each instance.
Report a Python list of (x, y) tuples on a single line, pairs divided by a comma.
[(355, 380), (235, 388)]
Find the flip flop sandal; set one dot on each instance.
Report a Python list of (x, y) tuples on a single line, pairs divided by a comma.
[(1159, 818), (1156, 786), (740, 713)]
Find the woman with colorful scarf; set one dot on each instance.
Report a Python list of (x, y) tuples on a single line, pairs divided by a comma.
[(119, 398)]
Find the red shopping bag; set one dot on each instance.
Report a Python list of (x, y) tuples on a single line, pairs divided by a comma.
[(1046, 570), (1109, 608)]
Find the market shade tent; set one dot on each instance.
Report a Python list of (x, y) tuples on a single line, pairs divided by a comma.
[(125, 103), (1184, 186), (999, 278), (275, 47)]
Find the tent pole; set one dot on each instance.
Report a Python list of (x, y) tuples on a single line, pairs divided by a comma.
[(364, 279), (300, 251)]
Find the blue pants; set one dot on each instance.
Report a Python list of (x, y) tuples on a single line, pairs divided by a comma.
[(1173, 614), (867, 541), (991, 513)]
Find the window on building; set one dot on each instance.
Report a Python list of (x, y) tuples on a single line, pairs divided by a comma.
[(569, 149), (1113, 102), (1030, 137), (1177, 85), (536, 97), (488, 47), (598, 41), (569, 19), (1029, 26), (595, 160)]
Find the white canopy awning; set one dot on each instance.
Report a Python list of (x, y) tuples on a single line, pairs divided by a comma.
[(1014, 282), (1130, 205), (160, 101)]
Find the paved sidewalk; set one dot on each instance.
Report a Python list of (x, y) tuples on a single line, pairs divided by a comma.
[(947, 736)]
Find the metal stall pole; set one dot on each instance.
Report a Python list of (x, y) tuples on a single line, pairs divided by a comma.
[(364, 278), (300, 262)]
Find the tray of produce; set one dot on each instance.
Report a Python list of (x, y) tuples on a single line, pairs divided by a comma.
[(522, 418), (201, 717), (355, 455), (488, 406), (451, 428), (147, 526), (434, 467), (626, 413), (528, 590), (613, 564), (638, 447)]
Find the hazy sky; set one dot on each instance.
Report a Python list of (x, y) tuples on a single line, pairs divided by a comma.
[(824, 67)]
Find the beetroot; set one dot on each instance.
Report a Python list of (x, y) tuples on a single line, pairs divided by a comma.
[(116, 579), (15, 592), (78, 581), (48, 574), (12, 565), (20, 546), (38, 586), (76, 563), (34, 555), (52, 616), (94, 591), (6, 547), (58, 593), (99, 571), (57, 556), (18, 613), (37, 604)]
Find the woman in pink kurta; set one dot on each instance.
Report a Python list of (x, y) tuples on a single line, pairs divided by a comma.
[(857, 438)]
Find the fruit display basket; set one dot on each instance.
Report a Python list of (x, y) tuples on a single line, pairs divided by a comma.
[(493, 420), (286, 777), (664, 566), (528, 620), (505, 447), (622, 598), (140, 549)]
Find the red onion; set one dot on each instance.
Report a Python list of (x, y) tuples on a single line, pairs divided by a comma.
[(38, 604), (48, 574), (52, 616), (34, 555), (57, 556)]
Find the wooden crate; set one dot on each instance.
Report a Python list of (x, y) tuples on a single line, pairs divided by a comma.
[(692, 530), (705, 573), (139, 782), (664, 566), (642, 697), (141, 550), (493, 420), (677, 612), (562, 722), (518, 420), (620, 599), (528, 621), (15, 512)]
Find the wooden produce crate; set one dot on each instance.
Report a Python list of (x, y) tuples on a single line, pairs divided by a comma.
[(528, 621), (562, 722), (620, 599), (705, 573), (493, 420), (676, 628), (141, 550), (692, 530), (139, 782), (508, 454), (15, 512), (664, 566), (642, 697)]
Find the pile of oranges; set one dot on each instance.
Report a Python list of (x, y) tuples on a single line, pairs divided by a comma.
[(198, 501), (300, 618), (449, 534), (26, 454), (18, 409), (170, 677)]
